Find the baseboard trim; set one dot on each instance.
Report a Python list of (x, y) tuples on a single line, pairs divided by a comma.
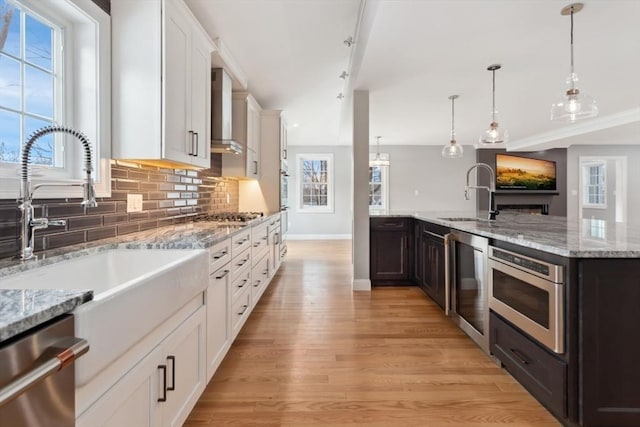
[(361, 285), (318, 236)]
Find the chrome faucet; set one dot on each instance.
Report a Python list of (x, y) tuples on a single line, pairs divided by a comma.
[(25, 202), (491, 188)]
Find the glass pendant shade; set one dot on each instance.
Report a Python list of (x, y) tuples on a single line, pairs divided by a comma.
[(574, 105), (378, 160), (494, 134), (452, 150)]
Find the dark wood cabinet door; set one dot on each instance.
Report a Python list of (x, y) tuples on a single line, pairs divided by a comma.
[(610, 345), (433, 267), (417, 253), (390, 255)]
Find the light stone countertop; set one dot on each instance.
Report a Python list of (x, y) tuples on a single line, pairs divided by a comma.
[(586, 238), (22, 309)]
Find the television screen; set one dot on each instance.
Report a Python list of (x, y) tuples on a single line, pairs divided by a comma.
[(522, 173)]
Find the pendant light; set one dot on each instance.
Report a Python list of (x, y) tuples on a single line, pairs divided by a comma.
[(574, 105), (378, 161), (494, 134), (452, 150)]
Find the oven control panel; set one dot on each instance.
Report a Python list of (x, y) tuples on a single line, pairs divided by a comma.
[(548, 271)]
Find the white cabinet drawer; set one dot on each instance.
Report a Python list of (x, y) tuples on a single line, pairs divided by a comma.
[(259, 279), (260, 240), (239, 263), (240, 282), (240, 311), (240, 242), (219, 255)]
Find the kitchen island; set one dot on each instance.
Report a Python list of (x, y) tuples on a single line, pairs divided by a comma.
[(562, 320)]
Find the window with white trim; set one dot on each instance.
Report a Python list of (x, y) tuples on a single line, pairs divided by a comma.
[(54, 69), (594, 180), (379, 186), (315, 188)]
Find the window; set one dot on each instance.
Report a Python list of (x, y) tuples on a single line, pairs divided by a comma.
[(379, 186), (54, 69), (30, 85), (594, 184), (315, 172)]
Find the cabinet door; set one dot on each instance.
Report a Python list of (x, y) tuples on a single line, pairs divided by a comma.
[(217, 319), (131, 401), (389, 255), (417, 253), (200, 102), (184, 353), (176, 62), (436, 266)]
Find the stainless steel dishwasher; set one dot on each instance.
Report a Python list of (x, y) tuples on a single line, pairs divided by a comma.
[(37, 379)]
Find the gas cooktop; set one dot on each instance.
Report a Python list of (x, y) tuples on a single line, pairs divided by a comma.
[(229, 217)]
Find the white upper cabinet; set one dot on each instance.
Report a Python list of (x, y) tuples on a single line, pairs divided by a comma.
[(161, 59), (246, 131)]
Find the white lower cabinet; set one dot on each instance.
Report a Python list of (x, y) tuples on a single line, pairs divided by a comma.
[(218, 300), (162, 388)]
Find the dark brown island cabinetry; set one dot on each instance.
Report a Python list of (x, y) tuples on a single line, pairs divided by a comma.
[(595, 380), (391, 251), (432, 262)]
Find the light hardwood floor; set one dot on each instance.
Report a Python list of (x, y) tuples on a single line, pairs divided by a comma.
[(315, 353)]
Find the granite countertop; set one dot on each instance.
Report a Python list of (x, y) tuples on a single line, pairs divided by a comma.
[(22, 309), (586, 238)]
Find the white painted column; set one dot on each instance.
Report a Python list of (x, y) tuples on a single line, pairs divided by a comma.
[(361, 280)]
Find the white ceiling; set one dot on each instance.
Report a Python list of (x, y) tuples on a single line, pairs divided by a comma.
[(412, 54)]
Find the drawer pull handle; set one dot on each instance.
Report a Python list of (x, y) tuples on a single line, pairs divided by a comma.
[(243, 262), (244, 282), (244, 308), (255, 245), (265, 272), (173, 373), (220, 254), (265, 238), (523, 360), (164, 383), (224, 273), (257, 283)]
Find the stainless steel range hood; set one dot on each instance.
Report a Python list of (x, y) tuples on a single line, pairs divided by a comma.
[(221, 105)]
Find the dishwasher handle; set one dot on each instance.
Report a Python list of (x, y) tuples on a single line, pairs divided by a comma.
[(52, 360), (447, 272)]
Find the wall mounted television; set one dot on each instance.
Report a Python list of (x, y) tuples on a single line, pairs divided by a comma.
[(525, 174)]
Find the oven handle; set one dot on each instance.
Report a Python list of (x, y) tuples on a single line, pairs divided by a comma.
[(447, 273), (55, 358)]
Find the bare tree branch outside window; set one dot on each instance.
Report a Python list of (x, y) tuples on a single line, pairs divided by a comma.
[(6, 14)]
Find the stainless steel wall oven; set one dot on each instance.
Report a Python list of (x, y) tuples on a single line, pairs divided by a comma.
[(530, 294)]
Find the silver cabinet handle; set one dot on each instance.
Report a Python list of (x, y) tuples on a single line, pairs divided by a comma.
[(244, 282), (65, 352), (257, 283), (244, 308), (191, 143), (195, 152), (243, 262)]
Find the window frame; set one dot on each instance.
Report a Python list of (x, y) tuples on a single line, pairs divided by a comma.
[(587, 168), (384, 185), (86, 103), (301, 208)]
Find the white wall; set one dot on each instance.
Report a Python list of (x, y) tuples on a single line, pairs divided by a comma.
[(439, 182), (336, 224), (632, 152)]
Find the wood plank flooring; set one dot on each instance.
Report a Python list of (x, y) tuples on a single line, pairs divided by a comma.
[(315, 353)]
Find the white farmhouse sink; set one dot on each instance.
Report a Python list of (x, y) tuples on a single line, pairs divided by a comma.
[(135, 290)]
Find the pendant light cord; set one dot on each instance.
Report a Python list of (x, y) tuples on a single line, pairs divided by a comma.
[(493, 109), (572, 84), (452, 116)]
